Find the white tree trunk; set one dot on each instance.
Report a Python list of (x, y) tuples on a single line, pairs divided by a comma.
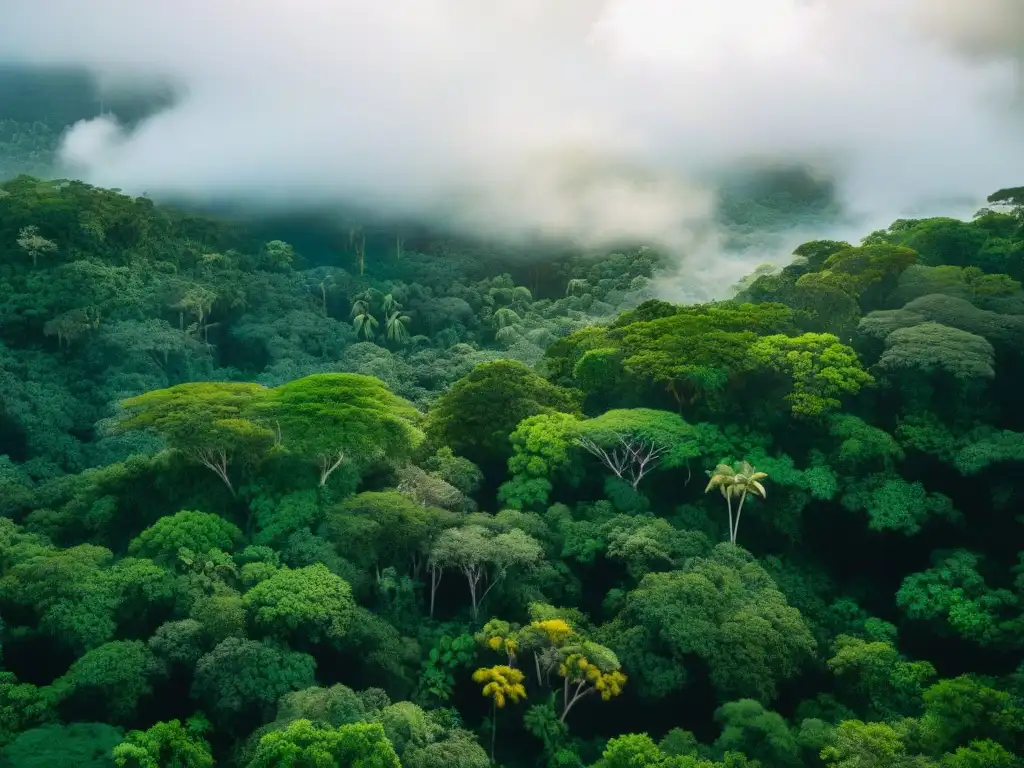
[(736, 527), (328, 463), (216, 462)]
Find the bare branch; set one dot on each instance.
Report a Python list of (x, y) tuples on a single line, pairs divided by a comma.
[(328, 463), (615, 460), (582, 689), (216, 461), (644, 456), (631, 460), (492, 583)]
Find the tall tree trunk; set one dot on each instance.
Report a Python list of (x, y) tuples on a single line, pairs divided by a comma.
[(672, 390), (472, 593), (329, 463), (436, 574), (578, 694), (736, 528), (728, 500), (494, 726)]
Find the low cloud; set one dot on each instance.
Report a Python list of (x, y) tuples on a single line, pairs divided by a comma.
[(592, 120)]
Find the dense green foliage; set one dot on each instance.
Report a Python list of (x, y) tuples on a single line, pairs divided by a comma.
[(399, 504)]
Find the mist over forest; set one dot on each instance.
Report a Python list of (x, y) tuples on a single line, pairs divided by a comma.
[(603, 121), (600, 384)]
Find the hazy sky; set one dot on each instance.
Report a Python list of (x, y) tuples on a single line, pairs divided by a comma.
[(584, 118)]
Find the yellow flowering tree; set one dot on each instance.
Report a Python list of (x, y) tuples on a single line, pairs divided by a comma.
[(557, 648), (591, 668), (545, 638), (500, 637), (501, 684)]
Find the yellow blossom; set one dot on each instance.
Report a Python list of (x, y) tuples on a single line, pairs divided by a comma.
[(557, 631), (501, 683)]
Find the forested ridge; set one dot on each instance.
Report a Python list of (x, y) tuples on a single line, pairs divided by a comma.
[(401, 502)]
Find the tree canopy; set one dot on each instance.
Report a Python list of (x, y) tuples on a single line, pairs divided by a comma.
[(351, 492)]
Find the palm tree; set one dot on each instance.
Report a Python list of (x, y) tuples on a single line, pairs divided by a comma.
[(508, 334), (540, 336), (504, 317), (576, 285), (360, 246), (359, 307), (396, 327), (197, 301), (737, 480), (325, 287), (521, 297), (364, 323)]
